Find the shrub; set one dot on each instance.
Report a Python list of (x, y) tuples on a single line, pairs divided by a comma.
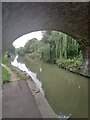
[(72, 64)]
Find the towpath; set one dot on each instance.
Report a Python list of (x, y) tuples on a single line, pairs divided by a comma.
[(18, 101)]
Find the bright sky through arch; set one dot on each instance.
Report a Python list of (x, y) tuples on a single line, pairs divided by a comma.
[(21, 41)]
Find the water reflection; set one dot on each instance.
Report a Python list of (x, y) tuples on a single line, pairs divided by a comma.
[(33, 75)]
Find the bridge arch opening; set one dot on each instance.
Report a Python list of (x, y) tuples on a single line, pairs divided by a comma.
[(59, 46), (54, 39)]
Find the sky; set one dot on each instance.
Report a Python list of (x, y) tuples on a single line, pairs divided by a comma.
[(21, 41)]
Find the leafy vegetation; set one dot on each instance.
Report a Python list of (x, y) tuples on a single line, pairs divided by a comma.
[(56, 48), (5, 59), (5, 75)]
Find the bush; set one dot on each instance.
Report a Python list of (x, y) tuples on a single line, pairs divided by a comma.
[(71, 64)]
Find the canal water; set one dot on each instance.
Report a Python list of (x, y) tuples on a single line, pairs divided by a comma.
[(66, 92)]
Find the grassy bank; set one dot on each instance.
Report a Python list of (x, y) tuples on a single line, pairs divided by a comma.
[(5, 75), (72, 65), (20, 74)]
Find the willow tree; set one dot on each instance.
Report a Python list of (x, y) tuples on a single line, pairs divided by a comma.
[(65, 46)]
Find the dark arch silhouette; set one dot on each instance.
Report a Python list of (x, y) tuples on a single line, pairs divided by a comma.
[(70, 18)]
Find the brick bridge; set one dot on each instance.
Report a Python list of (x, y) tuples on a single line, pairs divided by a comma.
[(70, 18)]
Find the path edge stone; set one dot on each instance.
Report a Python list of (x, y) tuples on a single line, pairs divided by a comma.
[(43, 105)]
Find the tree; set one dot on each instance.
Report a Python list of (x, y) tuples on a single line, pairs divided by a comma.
[(31, 45), (20, 51), (54, 46)]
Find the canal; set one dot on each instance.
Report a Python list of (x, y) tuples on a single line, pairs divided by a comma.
[(66, 92)]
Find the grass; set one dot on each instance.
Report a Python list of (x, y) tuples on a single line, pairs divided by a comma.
[(5, 75), (5, 59)]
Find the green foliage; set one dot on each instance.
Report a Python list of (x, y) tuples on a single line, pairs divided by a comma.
[(45, 54), (31, 46), (71, 64), (20, 51), (5, 75), (55, 47), (5, 59)]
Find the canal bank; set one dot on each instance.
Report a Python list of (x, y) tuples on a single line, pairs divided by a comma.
[(43, 105), (65, 67), (24, 99)]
